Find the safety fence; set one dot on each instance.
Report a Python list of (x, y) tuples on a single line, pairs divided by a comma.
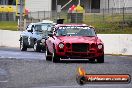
[(102, 19), (7, 16)]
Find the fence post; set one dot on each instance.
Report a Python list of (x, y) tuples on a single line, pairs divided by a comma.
[(1, 16), (103, 16), (38, 15), (7, 16), (112, 14), (94, 17), (44, 14), (123, 18), (14, 16)]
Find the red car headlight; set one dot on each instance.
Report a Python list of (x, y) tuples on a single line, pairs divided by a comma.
[(100, 46), (61, 45)]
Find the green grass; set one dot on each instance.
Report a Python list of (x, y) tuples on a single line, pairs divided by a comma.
[(8, 25)]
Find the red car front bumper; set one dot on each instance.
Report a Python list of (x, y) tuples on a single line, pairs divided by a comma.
[(83, 55)]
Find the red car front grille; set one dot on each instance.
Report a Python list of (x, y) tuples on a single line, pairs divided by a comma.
[(80, 47)]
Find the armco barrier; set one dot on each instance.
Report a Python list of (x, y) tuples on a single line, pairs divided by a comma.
[(114, 43)]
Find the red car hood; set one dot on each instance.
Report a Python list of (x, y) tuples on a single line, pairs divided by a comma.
[(77, 39)]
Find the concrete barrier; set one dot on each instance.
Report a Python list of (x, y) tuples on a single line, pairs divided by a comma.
[(9, 38), (114, 43), (117, 43)]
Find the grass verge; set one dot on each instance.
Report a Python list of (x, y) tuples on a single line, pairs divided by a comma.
[(8, 25)]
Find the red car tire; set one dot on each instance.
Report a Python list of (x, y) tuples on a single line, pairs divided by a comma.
[(55, 58), (100, 59)]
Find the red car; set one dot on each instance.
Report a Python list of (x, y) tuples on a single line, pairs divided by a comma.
[(74, 41)]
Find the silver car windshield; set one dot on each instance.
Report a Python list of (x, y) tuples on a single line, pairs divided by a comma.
[(42, 27)]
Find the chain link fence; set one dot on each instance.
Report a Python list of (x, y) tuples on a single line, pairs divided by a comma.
[(103, 19), (114, 19), (7, 16)]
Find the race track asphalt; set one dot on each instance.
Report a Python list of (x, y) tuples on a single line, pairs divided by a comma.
[(30, 70)]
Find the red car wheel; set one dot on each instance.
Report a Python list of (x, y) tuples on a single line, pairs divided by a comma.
[(100, 59), (55, 58)]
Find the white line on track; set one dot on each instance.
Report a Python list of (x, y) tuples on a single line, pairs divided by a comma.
[(4, 81)]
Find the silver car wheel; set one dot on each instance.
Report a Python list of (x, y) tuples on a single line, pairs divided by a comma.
[(35, 46), (46, 53), (21, 45)]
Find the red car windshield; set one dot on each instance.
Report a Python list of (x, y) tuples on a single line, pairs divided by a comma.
[(75, 31)]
